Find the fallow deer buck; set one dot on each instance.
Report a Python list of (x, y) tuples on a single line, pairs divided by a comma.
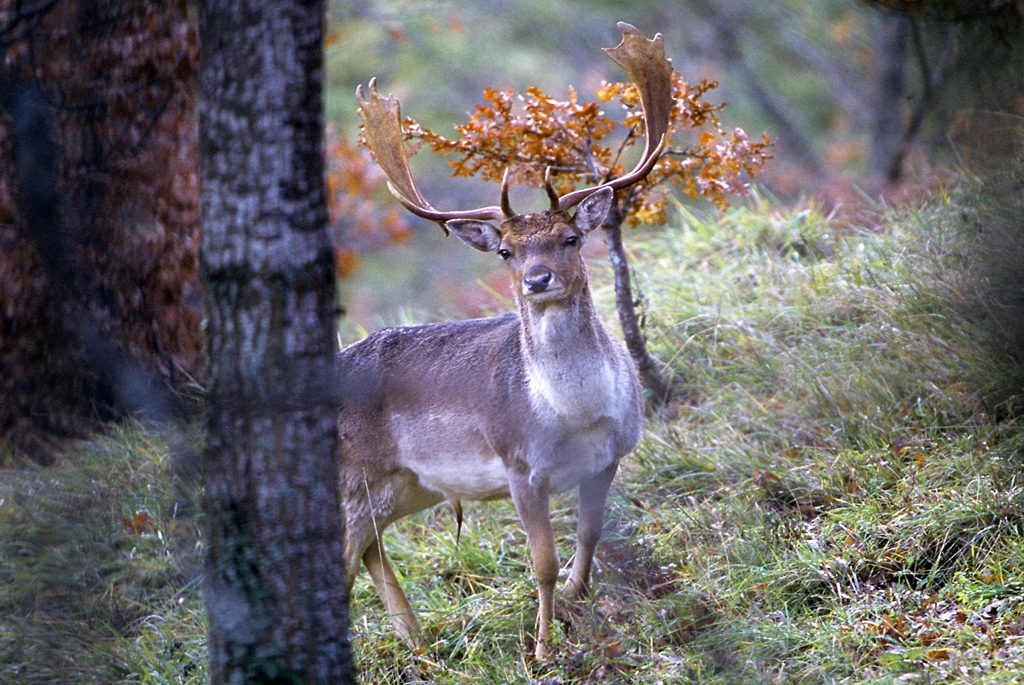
[(523, 405)]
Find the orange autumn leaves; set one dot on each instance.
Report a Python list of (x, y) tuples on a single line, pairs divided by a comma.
[(356, 195), (532, 132)]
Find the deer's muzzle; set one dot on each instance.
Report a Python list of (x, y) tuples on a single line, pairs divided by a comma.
[(537, 279)]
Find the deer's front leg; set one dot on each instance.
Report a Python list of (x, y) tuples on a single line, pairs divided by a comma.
[(531, 502), (593, 493)]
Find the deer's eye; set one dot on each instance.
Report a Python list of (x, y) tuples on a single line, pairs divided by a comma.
[(504, 254), (571, 240)]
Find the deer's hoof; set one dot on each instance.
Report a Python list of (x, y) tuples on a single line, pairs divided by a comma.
[(574, 589)]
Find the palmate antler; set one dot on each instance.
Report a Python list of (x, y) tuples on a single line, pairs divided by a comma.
[(644, 60), (382, 126)]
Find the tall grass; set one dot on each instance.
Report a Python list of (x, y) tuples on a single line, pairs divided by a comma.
[(992, 289), (830, 500)]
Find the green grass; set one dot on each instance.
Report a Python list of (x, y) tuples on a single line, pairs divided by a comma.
[(99, 568), (827, 502)]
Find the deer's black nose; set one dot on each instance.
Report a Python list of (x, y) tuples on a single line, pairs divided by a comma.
[(537, 279)]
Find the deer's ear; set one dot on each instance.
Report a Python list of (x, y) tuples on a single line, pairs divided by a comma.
[(477, 234), (593, 210)]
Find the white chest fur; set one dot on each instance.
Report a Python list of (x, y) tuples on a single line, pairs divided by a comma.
[(581, 390), (571, 379)]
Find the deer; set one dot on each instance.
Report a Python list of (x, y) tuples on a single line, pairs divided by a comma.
[(526, 404)]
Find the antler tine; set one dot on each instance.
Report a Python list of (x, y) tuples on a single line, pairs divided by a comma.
[(549, 189), (506, 207), (382, 124), (644, 60)]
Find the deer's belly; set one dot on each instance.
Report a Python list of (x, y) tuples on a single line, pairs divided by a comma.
[(458, 463)]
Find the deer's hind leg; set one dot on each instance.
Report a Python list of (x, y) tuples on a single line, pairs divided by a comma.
[(363, 543), (395, 602), (371, 505)]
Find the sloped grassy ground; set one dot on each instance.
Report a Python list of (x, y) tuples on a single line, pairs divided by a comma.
[(99, 568), (829, 501)]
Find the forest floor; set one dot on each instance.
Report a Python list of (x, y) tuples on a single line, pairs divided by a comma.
[(831, 498)]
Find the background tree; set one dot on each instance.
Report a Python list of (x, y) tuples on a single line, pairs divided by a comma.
[(817, 77), (274, 584), (99, 302), (963, 54), (866, 86)]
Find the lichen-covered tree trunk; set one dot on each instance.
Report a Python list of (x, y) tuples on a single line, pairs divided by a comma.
[(274, 584)]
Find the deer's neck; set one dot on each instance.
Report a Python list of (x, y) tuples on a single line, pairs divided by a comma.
[(573, 367), (558, 328)]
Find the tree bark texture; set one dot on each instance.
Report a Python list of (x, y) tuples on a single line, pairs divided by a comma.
[(274, 581)]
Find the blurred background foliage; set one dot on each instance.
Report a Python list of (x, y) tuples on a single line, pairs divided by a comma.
[(876, 99), (841, 501)]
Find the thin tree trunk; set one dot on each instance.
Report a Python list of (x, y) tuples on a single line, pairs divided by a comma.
[(727, 44), (636, 342), (932, 81), (274, 580), (887, 139)]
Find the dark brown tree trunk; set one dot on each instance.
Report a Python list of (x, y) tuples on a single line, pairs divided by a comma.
[(274, 581)]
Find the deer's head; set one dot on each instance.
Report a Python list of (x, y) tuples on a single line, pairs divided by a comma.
[(541, 250)]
